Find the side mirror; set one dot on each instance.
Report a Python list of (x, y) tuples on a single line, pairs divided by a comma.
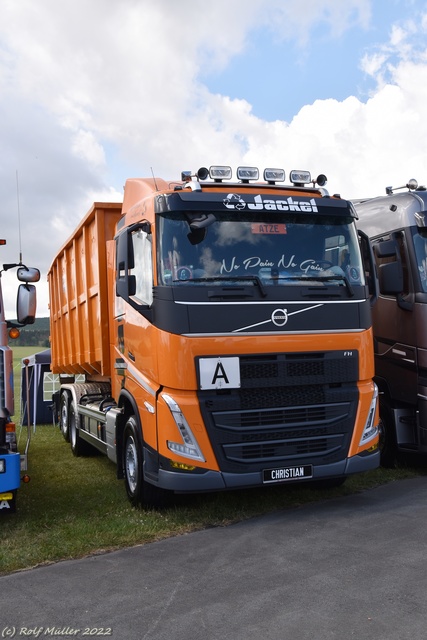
[(390, 274), (385, 249), (26, 304), (25, 274), (391, 278)]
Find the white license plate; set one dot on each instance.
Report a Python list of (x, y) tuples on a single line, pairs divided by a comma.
[(219, 373), (286, 474)]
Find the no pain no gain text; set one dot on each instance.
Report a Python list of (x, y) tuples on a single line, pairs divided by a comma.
[(37, 632)]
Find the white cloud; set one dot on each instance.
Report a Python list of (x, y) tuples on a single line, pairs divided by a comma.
[(373, 63), (85, 146)]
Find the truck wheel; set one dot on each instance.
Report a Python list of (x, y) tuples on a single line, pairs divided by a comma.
[(79, 447), (132, 463), (138, 490), (388, 443), (64, 415)]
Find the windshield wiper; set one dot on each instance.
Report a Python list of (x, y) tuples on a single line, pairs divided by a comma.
[(255, 279), (336, 276)]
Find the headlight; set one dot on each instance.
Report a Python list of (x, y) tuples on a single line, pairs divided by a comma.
[(188, 447), (371, 430)]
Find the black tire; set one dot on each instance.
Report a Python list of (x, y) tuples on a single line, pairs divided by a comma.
[(139, 492), (388, 442), (64, 415), (132, 463), (79, 447)]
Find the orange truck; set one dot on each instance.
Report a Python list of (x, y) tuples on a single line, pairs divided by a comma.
[(213, 334)]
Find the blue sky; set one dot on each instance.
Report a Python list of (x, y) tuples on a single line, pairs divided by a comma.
[(92, 93), (278, 77)]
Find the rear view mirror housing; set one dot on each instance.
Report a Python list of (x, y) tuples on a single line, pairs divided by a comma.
[(26, 304), (391, 278), (25, 274)]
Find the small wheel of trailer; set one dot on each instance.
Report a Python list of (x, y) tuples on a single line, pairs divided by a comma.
[(64, 415), (79, 447), (138, 490)]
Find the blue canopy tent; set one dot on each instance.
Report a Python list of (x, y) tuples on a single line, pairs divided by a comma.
[(40, 407)]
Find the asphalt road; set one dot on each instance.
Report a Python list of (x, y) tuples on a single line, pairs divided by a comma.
[(351, 567)]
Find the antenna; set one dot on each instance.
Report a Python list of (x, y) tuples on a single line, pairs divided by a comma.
[(155, 183), (19, 218)]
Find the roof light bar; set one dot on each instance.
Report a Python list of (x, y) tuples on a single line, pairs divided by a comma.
[(299, 178), (219, 173), (274, 175), (247, 173)]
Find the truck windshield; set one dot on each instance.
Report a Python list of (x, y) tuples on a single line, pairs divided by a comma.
[(259, 247)]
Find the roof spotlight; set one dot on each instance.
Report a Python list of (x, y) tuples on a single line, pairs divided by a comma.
[(412, 185), (274, 175), (300, 178), (220, 173), (247, 173)]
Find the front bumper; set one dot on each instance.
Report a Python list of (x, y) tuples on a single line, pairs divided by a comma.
[(202, 481)]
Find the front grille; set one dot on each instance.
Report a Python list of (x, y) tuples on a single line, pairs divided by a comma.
[(303, 368), (265, 398), (290, 409), (289, 416), (269, 451)]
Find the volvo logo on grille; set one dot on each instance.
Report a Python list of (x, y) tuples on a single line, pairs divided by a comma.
[(279, 317)]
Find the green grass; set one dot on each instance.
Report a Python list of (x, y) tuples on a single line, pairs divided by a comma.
[(22, 352), (73, 507)]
